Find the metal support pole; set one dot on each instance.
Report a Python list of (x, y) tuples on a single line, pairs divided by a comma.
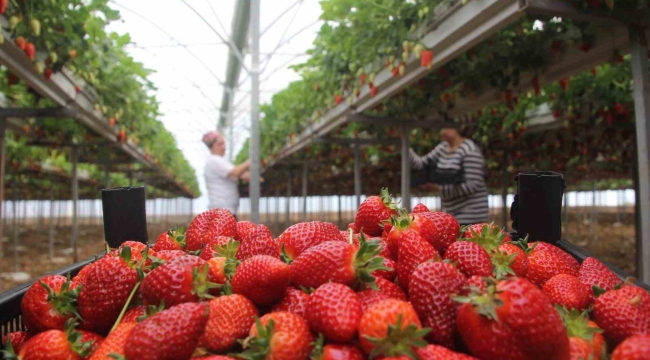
[(3, 128), (130, 178), (504, 200), (406, 169), (565, 213), (641, 91), (288, 204), (50, 239), (340, 213), (15, 234), (255, 112), (107, 176), (357, 174), (75, 199), (277, 209), (304, 192)]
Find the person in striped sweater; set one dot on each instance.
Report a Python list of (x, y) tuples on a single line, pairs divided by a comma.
[(466, 198)]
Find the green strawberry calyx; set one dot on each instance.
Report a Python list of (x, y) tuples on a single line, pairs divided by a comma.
[(485, 302), (399, 341), (502, 262), (490, 237), (318, 348), (150, 311), (523, 244), (65, 300), (257, 347), (201, 286), (577, 323), (177, 235), (402, 220), (367, 261), (74, 339), (8, 352), (387, 199), (229, 251)]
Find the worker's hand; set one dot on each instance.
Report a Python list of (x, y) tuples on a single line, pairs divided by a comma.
[(247, 163)]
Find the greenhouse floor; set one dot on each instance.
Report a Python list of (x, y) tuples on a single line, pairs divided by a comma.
[(608, 239)]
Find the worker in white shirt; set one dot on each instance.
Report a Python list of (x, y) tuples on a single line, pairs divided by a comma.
[(221, 176)]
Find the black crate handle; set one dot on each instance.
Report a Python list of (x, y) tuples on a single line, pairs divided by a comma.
[(125, 215)]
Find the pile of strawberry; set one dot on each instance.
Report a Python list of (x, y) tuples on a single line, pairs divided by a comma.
[(393, 286)]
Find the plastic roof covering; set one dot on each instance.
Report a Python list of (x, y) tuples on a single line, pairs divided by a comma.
[(177, 39)]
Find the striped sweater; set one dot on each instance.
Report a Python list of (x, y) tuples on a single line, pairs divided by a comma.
[(467, 201)]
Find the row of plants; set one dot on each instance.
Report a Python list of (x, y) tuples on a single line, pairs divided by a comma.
[(599, 97), (71, 34)]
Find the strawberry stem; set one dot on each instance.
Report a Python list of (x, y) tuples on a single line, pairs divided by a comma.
[(126, 305)]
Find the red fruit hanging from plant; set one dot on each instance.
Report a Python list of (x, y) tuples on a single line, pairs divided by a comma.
[(20, 42), (3, 6), (426, 58), (30, 51)]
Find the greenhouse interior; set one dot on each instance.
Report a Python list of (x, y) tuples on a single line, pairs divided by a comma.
[(332, 179)]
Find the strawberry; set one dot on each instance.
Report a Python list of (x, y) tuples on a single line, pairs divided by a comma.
[(447, 229), (105, 290), (231, 317), (435, 352), (217, 357), (414, 222), (334, 310), (546, 261), (20, 42), (477, 282), (413, 251), (636, 347), (335, 352), (47, 74), (278, 335), (302, 236), (294, 301), (431, 288), (386, 274), (338, 99), (187, 275), (243, 228), (391, 328), (263, 279), (220, 246), (470, 258), (170, 334), (30, 51), (339, 262), (420, 208), (353, 227), (426, 58), (259, 241), (91, 338), (509, 259), (489, 236), (166, 255), (141, 312), (17, 340), (370, 296), (622, 313), (56, 345), (593, 272), (513, 319), (48, 304), (3, 6), (207, 225), (566, 290), (585, 336), (373, 211), (173, 239), (114, 342), (564, 83), (373, 91), (391, 289)]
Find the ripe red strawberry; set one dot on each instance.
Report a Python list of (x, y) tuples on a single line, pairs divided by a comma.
[(187, 275), (546, 261), (3, 6), (337, 261), (489, 236), (294, 301), (47, 73), (386, 274), (436, 352), (420, 208), (477, 282), (279, 335), (20, 42), (353, 227), (510, 259), (623, 313), (413, 251), (243, 228), (259, 241), (262, 279), (426, 58), (56, 345), (512, 320), (593, 272), (114, 343), (390, 328), (166, 255), (566, 290), (208, 225), (105, 289), (91, 338), (636, 347), (231, 317), (48, 304), (414, 222), (173, 239), (17, 340), (30, 51), (169, 335), (391, 289), (373, 211), (470, 258), (447, 229), (585, 338), (431, 288), (302, 236), (336, 352), (217, 246), (370, 296), (334, 310)]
